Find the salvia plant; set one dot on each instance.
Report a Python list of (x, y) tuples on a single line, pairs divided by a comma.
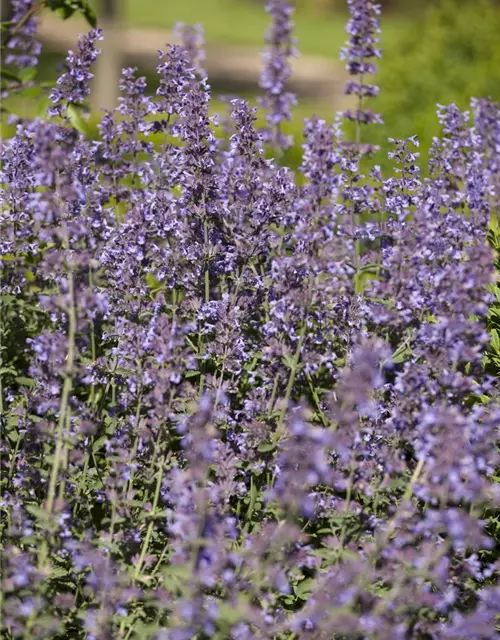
[(240, 401)]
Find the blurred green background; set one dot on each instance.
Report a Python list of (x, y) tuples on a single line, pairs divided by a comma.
[(434, 51)]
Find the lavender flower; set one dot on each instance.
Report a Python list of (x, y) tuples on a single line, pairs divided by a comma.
[(73, 85), (276, 71), (359, 52), (23, 47), (193, 41), (237, 400)]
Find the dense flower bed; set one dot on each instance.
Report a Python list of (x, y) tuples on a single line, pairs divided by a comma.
[(238, 402)]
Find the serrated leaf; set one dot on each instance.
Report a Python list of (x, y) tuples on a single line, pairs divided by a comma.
[(495, 340), (98, 443), (304, 588), (26, 382), (402, 353), (39, 513), (267, 446), (59, 572), (7, 370), (153, 283)]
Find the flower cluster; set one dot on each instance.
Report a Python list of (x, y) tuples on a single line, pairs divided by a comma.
[(236, 402), (276, 101), (73, 85), (21, 43), (360, 51)]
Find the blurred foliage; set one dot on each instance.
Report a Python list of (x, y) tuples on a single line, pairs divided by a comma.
[(67, 8), (450, 55), (13, 79)]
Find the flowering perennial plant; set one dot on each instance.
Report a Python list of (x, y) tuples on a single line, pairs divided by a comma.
[(22, 46), (236, 404)]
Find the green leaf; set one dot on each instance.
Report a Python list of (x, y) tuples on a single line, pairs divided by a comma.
[(402, 353), (495, 340), (90, 16), (59, 572), (229, 614), (63, 13), (98, 443), (495, 222), (66, 8), (25, 382), (267, 446), (367, 272), (153, 283), (304, 588), (27, 74), (7, 370), (5, 74), (192, 373), (77, 121), (30, 93), (252, 501), (6, 24), (39, 513)]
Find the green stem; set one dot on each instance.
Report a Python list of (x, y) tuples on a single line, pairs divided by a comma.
[(251, 505), (221, 379), (136, 440), (160, 559), (273, 395), (201, 347), (151, 525), (93, 349), (207, 275), (350, 487), (291, 381), (64, 456), (315, 397), (407, 496), (357, 243), (66, 392)]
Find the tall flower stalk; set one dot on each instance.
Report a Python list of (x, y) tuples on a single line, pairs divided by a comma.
[(276, 70), (360, 52)]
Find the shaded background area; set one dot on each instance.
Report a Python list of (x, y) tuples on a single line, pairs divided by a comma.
[(435, 51)]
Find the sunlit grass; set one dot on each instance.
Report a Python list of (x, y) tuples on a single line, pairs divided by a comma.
[(243, 22)]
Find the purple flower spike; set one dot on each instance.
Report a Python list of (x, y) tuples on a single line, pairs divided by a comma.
[(193, 41), (73, 86), (276, 71), (24, 49), (360, 51)]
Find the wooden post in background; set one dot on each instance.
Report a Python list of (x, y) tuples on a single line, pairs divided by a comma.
[(108, 67)]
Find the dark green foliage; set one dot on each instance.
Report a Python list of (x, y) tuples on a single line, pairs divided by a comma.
[(450, 54), (67, 8)]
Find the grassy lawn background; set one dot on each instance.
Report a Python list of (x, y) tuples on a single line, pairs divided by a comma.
[(244, 22)]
